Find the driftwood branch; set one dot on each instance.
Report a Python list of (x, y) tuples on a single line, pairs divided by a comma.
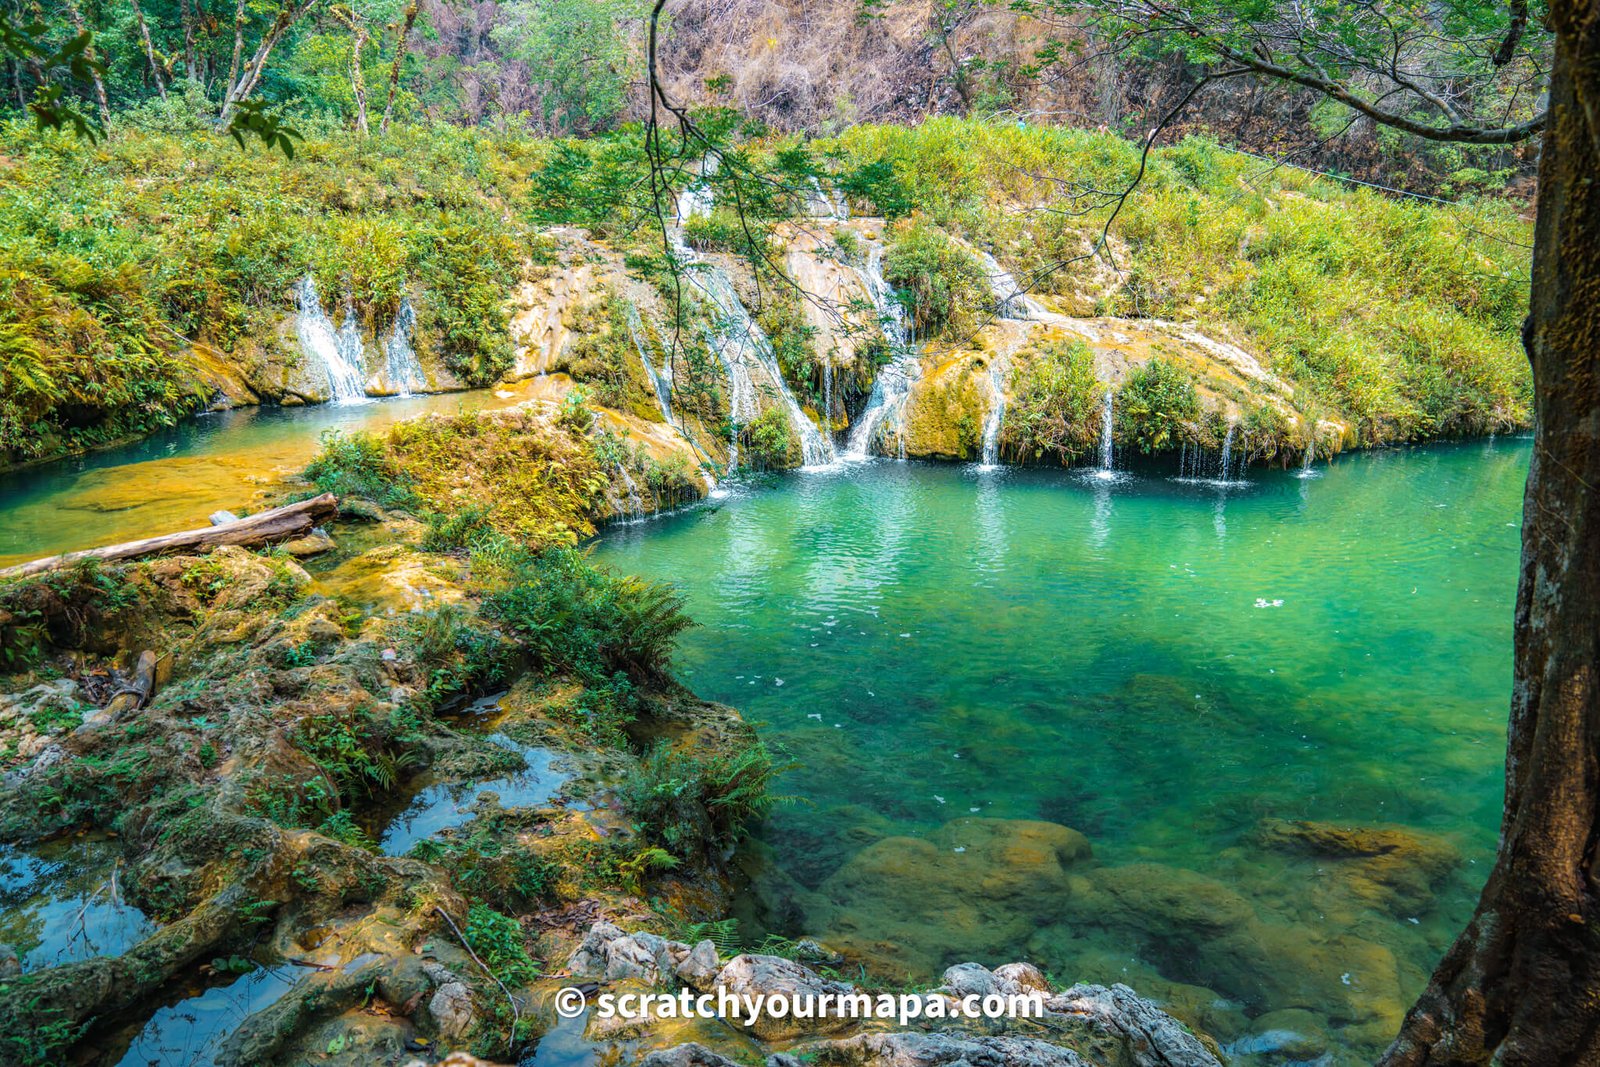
[(278, 524)]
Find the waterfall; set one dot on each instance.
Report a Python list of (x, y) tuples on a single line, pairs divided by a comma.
[(1010, 301), (635, 505), (1227, 451), (338, 352), (1306, 470), (893, 384), (1108, 464), (827, 395), (736, 338), (659, 379), (825, 205), (993, 421), (405, 373), (697, 197)]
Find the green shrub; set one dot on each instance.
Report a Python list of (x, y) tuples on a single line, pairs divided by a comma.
[(691, 804), (1155, 407), (944, 286), (358, 464), (498, 941), (1055, 407), (770, 442), (577, 617)]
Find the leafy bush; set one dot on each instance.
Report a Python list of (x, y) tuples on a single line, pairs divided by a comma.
[(585, 619), (1055, 407), (691, 804), (944, 286), (498, 941), (1155, 407), (770, 442), (488, 864), (358, 464)]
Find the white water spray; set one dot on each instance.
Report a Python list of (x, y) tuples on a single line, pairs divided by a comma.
[(406, 376), (339, 352), (992, 422), (1010, 300), (1108, 467), (1227, 452), (893, 384)]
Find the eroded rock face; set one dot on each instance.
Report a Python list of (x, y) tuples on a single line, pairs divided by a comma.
[(971, 888), (1145, 1034), (607, 952), (754, 975)]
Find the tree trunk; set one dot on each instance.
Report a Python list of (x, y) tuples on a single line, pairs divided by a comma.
[(400, 47), (238, 51), (99, 82), (149, 50), (278, 524), (1521, 985), (244, 83), (188, 16), (358, 85)]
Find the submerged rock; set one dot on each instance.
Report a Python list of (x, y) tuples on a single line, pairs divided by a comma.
[(1392, 869), (971, 888), (1213, 935)]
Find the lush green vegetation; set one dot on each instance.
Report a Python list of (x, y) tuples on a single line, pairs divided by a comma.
[(1400, 315), (1055, 405), (1155, 407), (943, 285), (118, 261)]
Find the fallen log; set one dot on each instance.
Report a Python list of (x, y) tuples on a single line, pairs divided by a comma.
[(137, 693), (278, 524)]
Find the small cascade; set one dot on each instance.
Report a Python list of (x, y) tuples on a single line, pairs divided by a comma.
[(1306, 470), (635, 504), (1227, 452), (827, 395), (1108, 466), (406, 376), (660, 379), (736, 338), (339, 352), (825, 205), (1010, 301), (992, 422), (697, 197), (893, 384)]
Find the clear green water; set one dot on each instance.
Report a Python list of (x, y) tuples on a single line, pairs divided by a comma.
[(174, 479), (1158, 665)]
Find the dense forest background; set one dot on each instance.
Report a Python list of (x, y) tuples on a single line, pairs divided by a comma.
[(576, 67)]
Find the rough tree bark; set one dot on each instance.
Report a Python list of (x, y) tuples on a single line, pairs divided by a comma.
[(400, 47), (99, 83), (149, 51), (1521, 985), (239, 19), (245, 82)]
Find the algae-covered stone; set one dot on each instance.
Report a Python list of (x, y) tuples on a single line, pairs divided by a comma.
[(972, 888), (1206, 932), (1393, 869)]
